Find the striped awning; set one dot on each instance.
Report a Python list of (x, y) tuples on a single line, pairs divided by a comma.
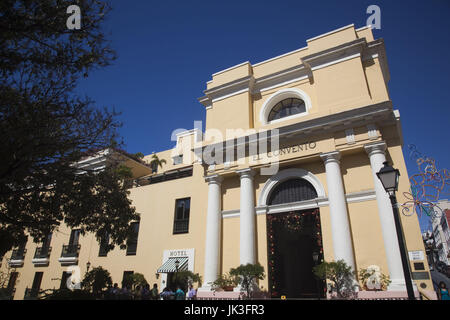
[(169, 265)]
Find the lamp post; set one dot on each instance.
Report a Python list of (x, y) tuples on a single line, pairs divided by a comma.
[(177, 264), (88, 266), (389, 179)]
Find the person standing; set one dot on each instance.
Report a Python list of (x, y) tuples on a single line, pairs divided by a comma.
[(443, 291), (179, 294), (154, 292), (192, 293)]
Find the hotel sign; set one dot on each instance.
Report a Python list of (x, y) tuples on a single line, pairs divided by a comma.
[(287, 150)]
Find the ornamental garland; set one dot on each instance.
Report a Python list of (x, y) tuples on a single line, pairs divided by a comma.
[(427, 187), (294, 221)]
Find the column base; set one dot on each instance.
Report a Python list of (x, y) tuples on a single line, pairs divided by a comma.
[(398, 285)]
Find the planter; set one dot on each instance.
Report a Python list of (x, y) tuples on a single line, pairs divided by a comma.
[(228, 288)]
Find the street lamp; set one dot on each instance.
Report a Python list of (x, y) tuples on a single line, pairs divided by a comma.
[(389, 179), (88, 266), (177, 264)]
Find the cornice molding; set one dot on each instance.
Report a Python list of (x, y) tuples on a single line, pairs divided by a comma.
[(380, 112), (227, 90)]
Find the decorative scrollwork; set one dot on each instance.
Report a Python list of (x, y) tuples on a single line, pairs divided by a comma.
[(427, 187)]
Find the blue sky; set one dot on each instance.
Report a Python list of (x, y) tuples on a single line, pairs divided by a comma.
[(167, 50)]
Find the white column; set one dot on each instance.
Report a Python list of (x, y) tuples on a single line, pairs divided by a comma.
[(247, 243), (213, 231), (340, 226), (376, 152)]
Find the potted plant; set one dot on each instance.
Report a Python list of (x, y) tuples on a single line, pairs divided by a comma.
[(341, 277), (247, 275), (225, 282), (185, 278), (373, 279)]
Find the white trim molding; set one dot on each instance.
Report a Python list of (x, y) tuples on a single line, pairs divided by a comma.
[(360, 196), (286, 174), (280, 95)]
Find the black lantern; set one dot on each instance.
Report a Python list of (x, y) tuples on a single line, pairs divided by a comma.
[(389, 177), (177, 264), (88, 266)]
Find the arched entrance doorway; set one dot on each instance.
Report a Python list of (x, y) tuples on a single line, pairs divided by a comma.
[(294, 239)]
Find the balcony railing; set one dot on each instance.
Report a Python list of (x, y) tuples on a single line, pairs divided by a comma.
[(70, 250), (17, 257), (18, 254), (42, 252), (42, 255), (69, 254)]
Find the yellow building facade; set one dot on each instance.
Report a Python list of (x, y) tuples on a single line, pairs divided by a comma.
[(284, 172)]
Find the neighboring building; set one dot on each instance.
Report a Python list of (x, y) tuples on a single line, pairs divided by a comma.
[(336, 126), (441, 232)]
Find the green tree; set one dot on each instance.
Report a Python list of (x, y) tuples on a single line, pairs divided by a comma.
[(46, 127), (184, 278), (96, 281), (155, 162), (341, 276), (248, 275), (136, 279)]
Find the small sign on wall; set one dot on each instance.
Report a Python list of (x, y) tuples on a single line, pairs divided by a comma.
[(416, 255)]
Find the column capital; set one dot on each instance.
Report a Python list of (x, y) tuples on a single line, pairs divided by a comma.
[(215, 178), (332, 156), (246, 173), (375, 147)]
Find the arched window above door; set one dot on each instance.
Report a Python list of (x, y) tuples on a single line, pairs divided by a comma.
[(285, 108), (292, 190)]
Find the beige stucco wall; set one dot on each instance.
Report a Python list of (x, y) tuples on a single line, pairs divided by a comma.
[(332, 89)]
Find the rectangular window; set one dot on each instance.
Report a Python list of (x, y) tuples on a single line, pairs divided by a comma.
[(178, 159), (74, 237), (104, 245), (65, 275), (43, 252), (181, 219), (47, 241), (126, 280), (133, 240), (11, 288), (34, 291), (12, 280), (72, 249)]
